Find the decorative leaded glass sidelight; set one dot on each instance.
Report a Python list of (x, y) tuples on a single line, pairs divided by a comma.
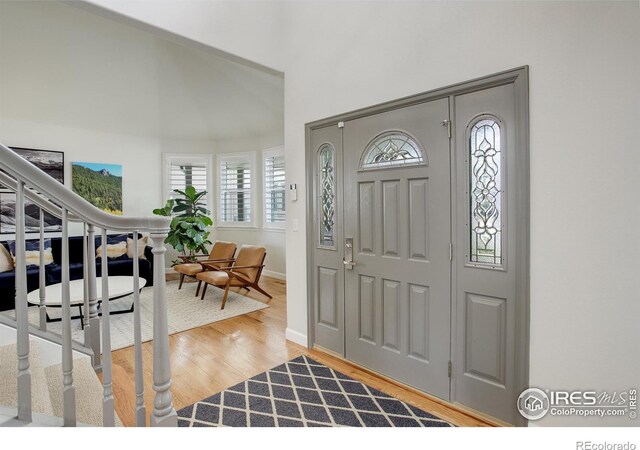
[(391, 149), (485, 154), (327, 195)]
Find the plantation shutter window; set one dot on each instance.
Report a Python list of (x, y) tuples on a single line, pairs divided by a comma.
[(187, 170), (236, 190), (274, 188)]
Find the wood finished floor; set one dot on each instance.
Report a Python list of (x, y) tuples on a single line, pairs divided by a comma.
[(209, 359)]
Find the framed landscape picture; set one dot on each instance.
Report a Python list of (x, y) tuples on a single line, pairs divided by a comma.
[(51, 162), (99, 184)]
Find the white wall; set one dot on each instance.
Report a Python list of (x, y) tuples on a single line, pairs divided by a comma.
[(139, 156), (585, 213)]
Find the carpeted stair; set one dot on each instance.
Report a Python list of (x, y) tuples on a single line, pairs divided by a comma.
[(46, 386), (88, 392)]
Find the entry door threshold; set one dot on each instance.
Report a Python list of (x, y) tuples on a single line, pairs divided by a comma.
[(457, 414)]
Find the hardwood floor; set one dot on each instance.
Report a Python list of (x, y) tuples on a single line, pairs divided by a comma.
[(209, 359)]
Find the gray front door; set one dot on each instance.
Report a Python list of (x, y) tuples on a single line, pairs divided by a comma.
[(420, 259), (397, 235)]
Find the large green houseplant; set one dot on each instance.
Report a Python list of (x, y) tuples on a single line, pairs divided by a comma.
[(188, 232)]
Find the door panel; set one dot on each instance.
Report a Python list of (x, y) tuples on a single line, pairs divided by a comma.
[(328, 297), (329, 274), (397, 296), (485, 257), (418, 219)]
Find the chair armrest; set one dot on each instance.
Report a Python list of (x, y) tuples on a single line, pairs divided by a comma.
[(232, 268), (217, 260), (207, 266), (191, 258)]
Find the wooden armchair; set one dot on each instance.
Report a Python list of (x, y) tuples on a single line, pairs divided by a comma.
[(244, 273), (221, 255)]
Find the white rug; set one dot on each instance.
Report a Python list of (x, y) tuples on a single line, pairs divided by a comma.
[(185, 311)]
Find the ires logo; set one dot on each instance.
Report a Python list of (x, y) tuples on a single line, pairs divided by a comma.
[(534, 403), (575, 398)]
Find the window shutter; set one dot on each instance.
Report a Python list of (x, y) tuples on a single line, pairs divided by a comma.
[(235, 190), (274, 189), (183, 174)]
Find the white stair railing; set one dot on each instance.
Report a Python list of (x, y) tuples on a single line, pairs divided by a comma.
[(32, 184)]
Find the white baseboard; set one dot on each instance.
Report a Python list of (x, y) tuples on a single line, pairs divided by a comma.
[(294, 336), (277, 275)]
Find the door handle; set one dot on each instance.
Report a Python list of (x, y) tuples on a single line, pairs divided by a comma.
[(348, 254)]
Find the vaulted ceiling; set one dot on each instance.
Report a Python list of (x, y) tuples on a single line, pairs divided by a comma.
[(66, 66)]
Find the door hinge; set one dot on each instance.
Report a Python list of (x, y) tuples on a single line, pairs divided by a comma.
[(450, 368), (447, 123), (450, 251)]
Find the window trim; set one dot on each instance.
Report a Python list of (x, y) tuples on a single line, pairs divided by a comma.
[(243, 156), (169, 159), (268, 153)]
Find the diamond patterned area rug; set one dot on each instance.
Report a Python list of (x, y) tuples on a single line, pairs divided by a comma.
[(304, 393)]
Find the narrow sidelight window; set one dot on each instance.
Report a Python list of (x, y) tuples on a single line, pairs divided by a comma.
[(327, 194), (486, 173)]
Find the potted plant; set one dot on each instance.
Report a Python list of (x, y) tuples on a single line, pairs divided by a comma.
[(188, 232)]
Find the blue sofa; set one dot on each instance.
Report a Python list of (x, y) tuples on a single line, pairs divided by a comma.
[(53, 272)]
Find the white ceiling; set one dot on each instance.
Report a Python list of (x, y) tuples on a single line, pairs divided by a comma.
[(65, 66)]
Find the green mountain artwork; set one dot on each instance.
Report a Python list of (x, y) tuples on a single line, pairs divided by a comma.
[(99, 184)]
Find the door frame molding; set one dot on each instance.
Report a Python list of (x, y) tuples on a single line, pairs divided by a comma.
[(520, 78)]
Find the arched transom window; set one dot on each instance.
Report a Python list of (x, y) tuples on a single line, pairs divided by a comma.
[(393, 148)]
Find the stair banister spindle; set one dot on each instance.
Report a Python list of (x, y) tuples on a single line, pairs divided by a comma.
[(163, 413), (108, 413), (93, 323), (141, 412), (22, 320), (85, 286), (68, 390), (42, 308)]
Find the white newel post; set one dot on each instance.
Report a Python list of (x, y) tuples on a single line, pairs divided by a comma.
[(93, 321), (22, 319), (163, 413)]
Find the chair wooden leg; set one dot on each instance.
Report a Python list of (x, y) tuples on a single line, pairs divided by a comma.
[(198, 288), (259, 289), (204, 291), (226, 293), (181, 281)]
